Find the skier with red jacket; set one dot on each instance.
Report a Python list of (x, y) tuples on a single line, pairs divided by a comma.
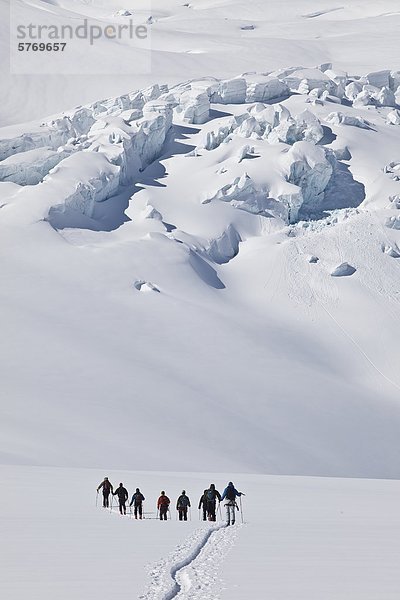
[(163, 505)]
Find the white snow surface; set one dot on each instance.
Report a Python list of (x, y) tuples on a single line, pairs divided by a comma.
[(302, 538), (200, 277)]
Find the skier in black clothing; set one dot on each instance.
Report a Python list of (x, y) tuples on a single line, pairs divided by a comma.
[(137, 501), (107, 489), (203, 504), (182, 505), (123, 496), (211, 498)]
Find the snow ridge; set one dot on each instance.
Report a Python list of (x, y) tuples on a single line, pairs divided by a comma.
[(192, 566)]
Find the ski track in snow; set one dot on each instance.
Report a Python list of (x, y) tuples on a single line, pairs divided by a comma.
[(191, 570), (321, 13)]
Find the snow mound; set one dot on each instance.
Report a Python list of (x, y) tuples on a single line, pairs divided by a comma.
[(149, 212), (392, 251), (338, 118), (393, 169), (145, 286), (393, 222), (343, 270), (123, 13)]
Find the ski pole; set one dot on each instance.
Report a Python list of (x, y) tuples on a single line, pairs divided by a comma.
[(190, 513), (241, 509), (219, 509), (111, 503), (97, 496)]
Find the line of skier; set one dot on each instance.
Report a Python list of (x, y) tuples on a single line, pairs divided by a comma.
[(207, 503)]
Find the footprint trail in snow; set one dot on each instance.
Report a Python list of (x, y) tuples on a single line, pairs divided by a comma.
[(191, 570)]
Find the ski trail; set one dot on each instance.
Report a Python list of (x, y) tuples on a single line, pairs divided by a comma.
[(357, 345), (199, 580), (191, 570)]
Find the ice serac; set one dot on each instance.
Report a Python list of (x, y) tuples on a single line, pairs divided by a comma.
[(274, 123), (378, 79), (352, 90), (132, 146), (371, 95), (29, 167), (51, 135), (305, 126), (77, 183), (243, 193), (307, 167), (394, 80), (226, 247), (303, 80), (193, 107), (230, 91), (263, 88)]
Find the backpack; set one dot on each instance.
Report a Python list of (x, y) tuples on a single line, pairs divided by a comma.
[(230, 493), (210, 495)]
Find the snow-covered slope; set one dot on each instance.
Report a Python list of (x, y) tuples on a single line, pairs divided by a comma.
[(212, 268)]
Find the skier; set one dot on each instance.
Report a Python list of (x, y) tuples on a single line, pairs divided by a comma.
[(137, 501), (203, 504), (123, 496), (182, 505), (107, 488), (211, 499), (163, 504), (230, 494)]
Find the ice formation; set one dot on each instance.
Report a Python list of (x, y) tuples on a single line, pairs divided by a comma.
[(117, 138)]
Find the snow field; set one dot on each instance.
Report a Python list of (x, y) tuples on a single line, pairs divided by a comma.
[(302, 538), (199, 38)]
